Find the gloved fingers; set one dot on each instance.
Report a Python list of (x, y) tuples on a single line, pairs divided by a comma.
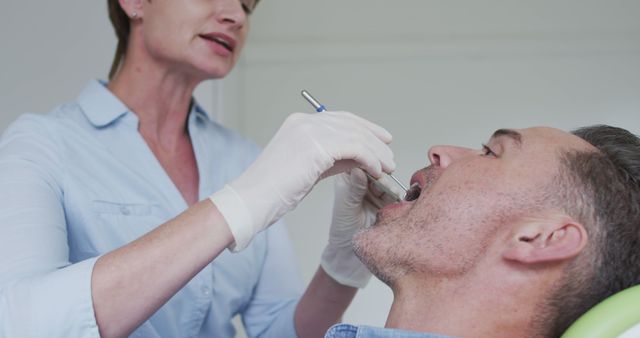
[(381, 133), (370, 214), (372, 201), (360, 145), (339, 122), (358, 178), (349, 191), (339, 167), (388, 184), (344, 136), (357, 185), (383, 152), (367, 154), (388, 199), (379, 197), (345, 123), (376, 146), (365, 158)]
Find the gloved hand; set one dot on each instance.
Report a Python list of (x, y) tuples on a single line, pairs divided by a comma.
[(307, 148), (355, 206)]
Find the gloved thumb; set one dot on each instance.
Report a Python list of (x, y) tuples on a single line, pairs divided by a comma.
[(357, 186)]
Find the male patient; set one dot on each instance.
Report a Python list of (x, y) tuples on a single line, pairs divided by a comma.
[(515, 240)]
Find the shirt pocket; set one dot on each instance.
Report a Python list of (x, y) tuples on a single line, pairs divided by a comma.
[(117, 223), (124, 209)]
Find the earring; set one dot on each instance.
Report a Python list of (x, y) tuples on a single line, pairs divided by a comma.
[(134, 15)]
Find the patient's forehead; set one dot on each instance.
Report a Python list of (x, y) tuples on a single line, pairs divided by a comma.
[(553, 137)]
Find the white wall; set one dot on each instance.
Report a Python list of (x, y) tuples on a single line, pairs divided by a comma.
[(431, 71)]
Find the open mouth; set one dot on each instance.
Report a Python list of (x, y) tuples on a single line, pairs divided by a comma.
[(413, 193), (219, 40)]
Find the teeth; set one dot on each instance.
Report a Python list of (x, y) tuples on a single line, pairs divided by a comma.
[(413, 193), (221, 41), (225, 43)]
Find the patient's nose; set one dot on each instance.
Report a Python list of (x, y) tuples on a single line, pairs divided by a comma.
[(443, 156)]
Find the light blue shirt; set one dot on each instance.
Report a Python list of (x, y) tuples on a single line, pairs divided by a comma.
[(81, 181), (350, 331)]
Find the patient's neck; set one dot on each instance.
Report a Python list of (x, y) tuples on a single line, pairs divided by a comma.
[(464, 308)]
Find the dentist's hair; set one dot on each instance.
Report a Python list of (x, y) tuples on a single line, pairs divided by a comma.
[(120, 22)]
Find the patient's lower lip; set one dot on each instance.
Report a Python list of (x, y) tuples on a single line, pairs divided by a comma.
[(395, 205)]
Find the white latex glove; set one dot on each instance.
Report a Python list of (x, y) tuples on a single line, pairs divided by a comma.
[(307, 147), (355, 206)]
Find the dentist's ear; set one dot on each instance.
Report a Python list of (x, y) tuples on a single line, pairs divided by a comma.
[(547, 239), (133, 8)]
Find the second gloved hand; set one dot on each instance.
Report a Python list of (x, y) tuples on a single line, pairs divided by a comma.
[(307, 148), (350, 214), (355, 205)]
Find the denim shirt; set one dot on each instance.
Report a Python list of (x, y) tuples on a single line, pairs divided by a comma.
[(350, 331), (79, 182)]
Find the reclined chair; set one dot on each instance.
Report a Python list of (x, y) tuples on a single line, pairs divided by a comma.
[(615, 317)]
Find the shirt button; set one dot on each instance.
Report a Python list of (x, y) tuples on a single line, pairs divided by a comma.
[(205, 290), (124, 210)]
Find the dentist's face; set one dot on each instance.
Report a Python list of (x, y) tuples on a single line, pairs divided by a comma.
[(468, 198), (202, 38)]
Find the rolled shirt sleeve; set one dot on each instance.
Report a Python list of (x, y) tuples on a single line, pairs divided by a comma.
[(41, 293), (55, 304)]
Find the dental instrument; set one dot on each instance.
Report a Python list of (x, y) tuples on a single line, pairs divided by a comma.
[(320, 108)]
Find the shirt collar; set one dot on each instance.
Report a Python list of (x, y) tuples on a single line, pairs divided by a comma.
[(102, 107), (351, 331), (99, 104), (197, 112)]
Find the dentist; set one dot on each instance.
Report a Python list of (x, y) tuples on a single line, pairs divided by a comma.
[(116, 208)]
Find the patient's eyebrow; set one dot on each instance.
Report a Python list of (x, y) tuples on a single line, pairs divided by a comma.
[(515, 136)]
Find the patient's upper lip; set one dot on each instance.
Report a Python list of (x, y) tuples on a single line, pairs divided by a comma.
[(418, 177)]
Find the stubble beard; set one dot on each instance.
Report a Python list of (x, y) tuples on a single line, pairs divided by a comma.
[(379, 249), (396, 247)]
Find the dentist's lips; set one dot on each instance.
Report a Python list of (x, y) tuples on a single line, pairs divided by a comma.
[(217, 40)]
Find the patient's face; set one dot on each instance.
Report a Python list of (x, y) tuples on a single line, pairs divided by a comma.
[(469, 197)]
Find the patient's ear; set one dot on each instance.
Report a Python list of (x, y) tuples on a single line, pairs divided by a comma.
[(545, 239)]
